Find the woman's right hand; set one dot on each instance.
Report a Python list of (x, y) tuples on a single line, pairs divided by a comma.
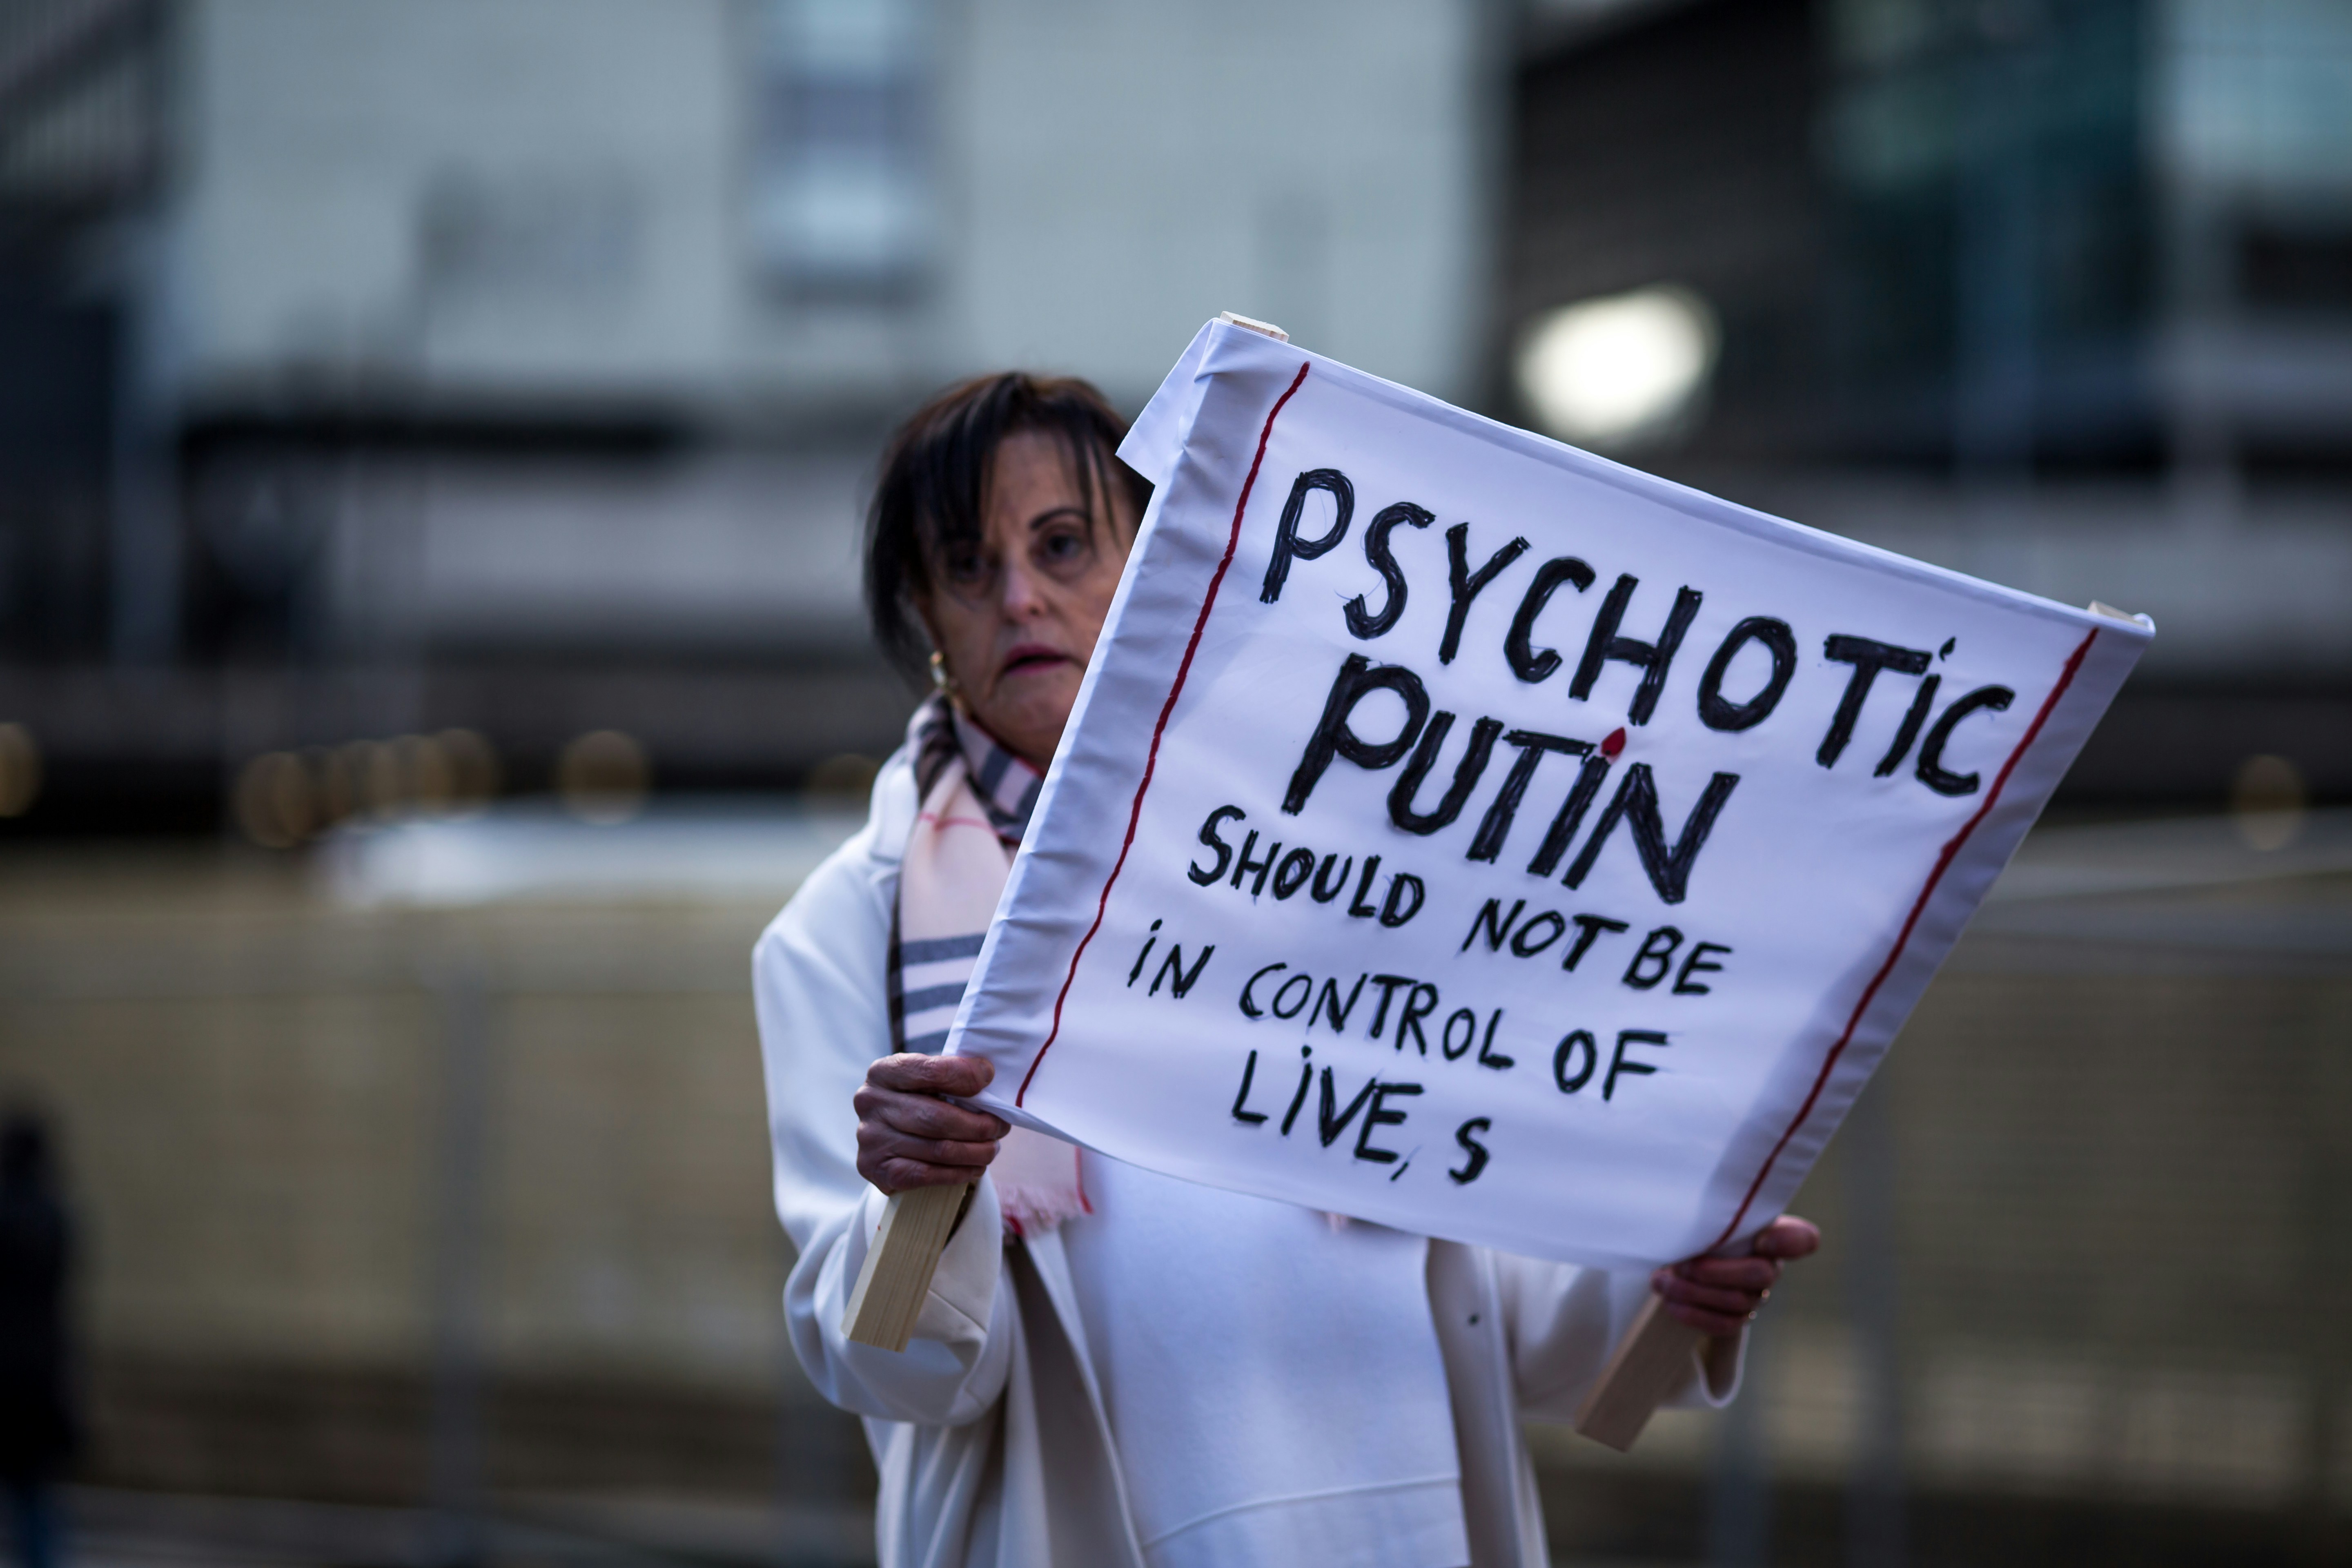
[(908, 1137)]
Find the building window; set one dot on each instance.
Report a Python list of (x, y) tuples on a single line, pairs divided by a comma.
[(842, 196)]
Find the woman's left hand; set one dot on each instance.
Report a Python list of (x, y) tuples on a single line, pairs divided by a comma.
[(1717, 1296)]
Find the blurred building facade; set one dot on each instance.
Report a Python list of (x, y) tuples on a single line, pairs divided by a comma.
[(375, 369), (519, 365), (2058, 292)]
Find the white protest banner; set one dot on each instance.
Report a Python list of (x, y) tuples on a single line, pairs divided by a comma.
[(1464, 833)]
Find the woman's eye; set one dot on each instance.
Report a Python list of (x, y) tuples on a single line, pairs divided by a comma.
[(965, 566), (1062, 546)]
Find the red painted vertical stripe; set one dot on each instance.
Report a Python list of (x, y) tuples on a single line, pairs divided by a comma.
[(1152, 758), (1918, 906)]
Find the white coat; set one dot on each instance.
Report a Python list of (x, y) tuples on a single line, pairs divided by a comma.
[(989, 1431)]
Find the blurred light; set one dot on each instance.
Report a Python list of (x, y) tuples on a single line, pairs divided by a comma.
[(843, 779), (604, 777), (274, 801), (374, 770), (20, 770), (336, 790), (2267, 801), (754, 851), (1622, 370), (452, 774), (474, 771), (428, 784)]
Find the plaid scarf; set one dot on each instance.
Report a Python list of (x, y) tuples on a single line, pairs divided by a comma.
[(976, 800)]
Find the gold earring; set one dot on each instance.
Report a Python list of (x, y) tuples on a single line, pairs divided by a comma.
[(941, 681)]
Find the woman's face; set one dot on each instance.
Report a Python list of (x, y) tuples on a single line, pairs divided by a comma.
[(1015, 614)]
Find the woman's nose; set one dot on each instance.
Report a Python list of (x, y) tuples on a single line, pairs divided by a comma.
[(1022, 597)]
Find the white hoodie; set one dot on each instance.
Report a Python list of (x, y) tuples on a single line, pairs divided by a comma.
[(990, 1430)]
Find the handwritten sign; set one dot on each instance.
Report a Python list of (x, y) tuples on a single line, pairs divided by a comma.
[(1464, 833)]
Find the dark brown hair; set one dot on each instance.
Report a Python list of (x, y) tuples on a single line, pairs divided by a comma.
[(934, 483)]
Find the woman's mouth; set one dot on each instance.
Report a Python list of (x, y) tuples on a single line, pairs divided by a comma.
[(1030, 658)]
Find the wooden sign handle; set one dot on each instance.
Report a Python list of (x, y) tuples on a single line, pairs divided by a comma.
[(1648, 1362), (899, 1264)]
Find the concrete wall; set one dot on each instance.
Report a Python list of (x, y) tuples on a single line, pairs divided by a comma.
[(1125, 171), (539, 214), (543, 201), (322, 141)]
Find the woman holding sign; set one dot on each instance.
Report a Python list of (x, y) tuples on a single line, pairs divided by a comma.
[(1115, 1367)]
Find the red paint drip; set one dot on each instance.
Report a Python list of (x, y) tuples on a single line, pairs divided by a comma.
[(1615, 744), (1152, 757)]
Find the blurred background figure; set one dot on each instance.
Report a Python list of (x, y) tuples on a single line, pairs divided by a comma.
[(431, 437), (36, 1419)]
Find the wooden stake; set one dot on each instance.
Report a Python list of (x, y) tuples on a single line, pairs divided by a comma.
[(1654, 1356), (899, 1264), (1266, 328)]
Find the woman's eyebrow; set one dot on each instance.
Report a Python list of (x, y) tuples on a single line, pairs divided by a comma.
[(1051, 512)]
